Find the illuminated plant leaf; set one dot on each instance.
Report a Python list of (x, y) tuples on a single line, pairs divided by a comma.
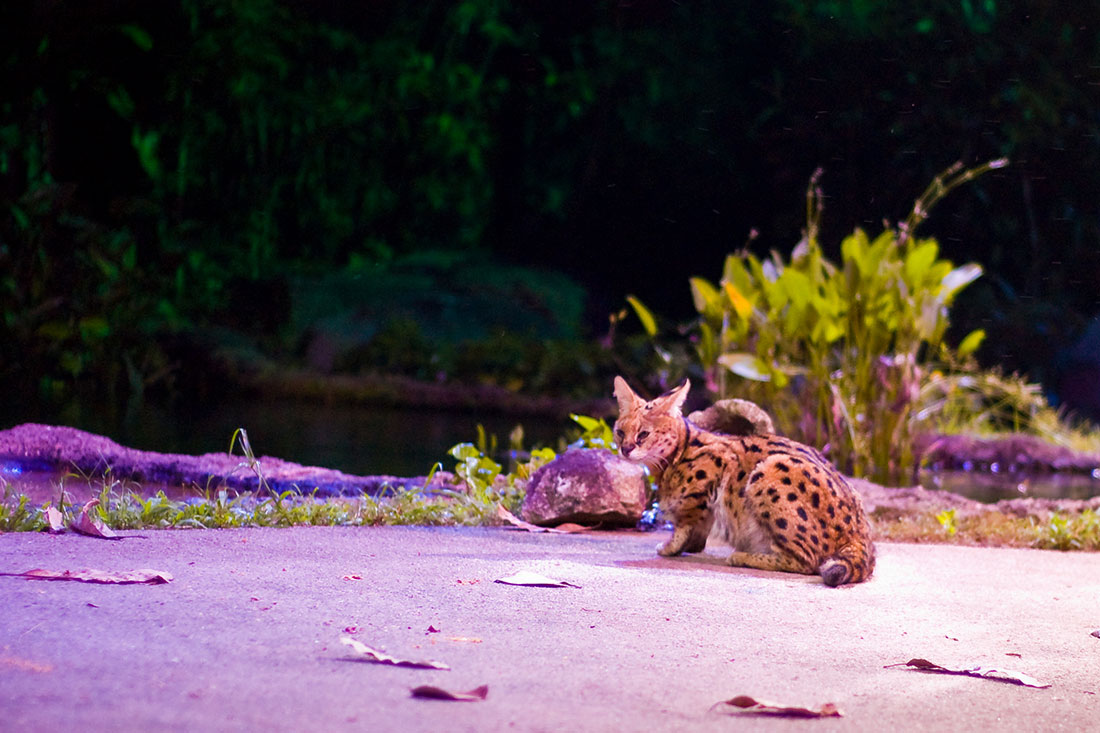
[(971, 343), (649, 323), (958, 279), (746, 365), (741, 305)]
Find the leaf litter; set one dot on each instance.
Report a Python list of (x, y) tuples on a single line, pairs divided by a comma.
[(534, 580), (992, 673), (745, 705), (365, 653), (430, 692), (88, 523), (145, 575), (564, 528)]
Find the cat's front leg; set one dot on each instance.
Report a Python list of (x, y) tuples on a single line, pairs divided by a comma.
[(681, 537)]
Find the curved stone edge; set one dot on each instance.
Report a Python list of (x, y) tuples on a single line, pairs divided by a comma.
[(35, 447)]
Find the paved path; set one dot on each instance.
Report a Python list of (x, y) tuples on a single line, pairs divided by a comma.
[(247, 635)]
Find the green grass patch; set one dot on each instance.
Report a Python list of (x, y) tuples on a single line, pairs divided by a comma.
[(1061, 531)]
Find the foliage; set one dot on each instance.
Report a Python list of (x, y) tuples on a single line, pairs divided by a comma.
[(159, 161), (946, 519), (486, 483), (837, 353), (1060, 531)]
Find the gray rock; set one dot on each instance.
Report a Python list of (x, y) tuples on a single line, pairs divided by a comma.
[(586, 487), (734, 417)]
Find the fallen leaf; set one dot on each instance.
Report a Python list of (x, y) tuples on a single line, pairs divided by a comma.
[(429, 692), (566, 528), (152, 577), (55, 523), (432, 630), (748, 705), (1003, 675), (1096, 634), (90, 524), (366, 654), (534, 580)]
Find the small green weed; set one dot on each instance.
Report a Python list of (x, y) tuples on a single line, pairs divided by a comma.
[(947, 521)]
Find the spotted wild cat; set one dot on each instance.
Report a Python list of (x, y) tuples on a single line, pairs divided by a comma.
[(780, 504)]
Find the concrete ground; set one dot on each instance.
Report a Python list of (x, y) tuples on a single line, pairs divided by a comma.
[(246, 636)]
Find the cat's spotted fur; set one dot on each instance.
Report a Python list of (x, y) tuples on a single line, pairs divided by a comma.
[(778, 503)]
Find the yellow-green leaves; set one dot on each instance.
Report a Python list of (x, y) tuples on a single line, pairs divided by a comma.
[(741, 305), (957, 279), (649, 323), (971, 343)]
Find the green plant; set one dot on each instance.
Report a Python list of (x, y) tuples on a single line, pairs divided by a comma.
[(596, 433), (946, 519), (16, 515), (838, 352)]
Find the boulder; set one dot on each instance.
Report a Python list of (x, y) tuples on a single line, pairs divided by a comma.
[(586, 487), (734, 417)]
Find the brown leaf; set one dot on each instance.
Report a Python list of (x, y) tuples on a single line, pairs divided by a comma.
[(430, 692), (367, 654), (152, 577), (534, 580), (55, 523), (748, 705), (90, 524), (992, 673), (566, 528)]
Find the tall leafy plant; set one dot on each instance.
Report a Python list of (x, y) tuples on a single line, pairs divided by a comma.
[(838, 352)]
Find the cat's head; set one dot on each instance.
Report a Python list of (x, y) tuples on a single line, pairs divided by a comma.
[(649, 432)]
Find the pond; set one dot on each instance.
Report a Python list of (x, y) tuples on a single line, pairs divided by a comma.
[(994, 487), (404, 442), (358, 440)]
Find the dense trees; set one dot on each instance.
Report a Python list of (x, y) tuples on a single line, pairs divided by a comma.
[(164, 165)]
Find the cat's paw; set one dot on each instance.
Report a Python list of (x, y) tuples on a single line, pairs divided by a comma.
[(668, 549)]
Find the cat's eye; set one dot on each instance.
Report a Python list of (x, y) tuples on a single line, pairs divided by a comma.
[(642, 435), (619, 434)]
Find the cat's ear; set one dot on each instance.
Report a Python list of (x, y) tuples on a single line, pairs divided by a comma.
[(625, 395), (673, 401)]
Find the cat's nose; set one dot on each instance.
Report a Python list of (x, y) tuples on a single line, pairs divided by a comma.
[(625, 448)]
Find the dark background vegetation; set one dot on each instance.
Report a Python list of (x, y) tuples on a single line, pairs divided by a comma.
[(469, 188)]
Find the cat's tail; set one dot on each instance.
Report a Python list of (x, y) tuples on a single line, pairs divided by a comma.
[(852, 563)]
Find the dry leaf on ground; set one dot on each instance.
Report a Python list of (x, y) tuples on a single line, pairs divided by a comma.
[(55, 523), (88, 523), (367, 654), (145, 575), (744, 704), (534, 580), (429, 692), (566, 528), (992, 673)]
